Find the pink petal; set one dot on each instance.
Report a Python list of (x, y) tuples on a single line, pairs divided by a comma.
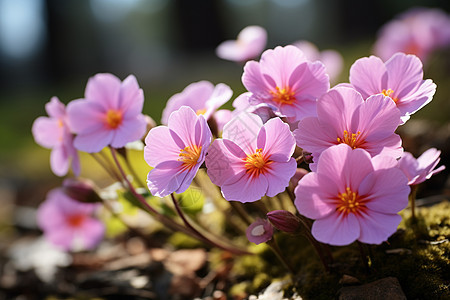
[(221, 94), (129, 131), (309, 80), (162, 182), (313, 137), (278, 176), (85, 116), (131, 97), (253, 79), (47, 132), (91, 232), (336, 108), (55, 108), (104, 89), (349, 169), (59, 161), (195, 95), (378, 117), (368, 75), (160, 147), (222, 164), (404, 73), (377, 227), (182, 122), (246, 189), (280, 62), (386, 190), (417, 99), (243, 130), (336, 229), (279, 141), (315, 194), (94, 141)]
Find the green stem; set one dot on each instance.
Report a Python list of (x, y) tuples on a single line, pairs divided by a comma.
[(200, 235), (412, 200), (276, 250)]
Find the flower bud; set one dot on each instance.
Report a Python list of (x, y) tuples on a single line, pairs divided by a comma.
[(284, 221), (82, 190), (259, 231)]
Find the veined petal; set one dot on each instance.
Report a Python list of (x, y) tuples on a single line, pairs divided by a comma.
[(377, 227), (279, 140), (104, 89), (243, 130), (246, 189), (278, 175), (336, 229), (368, 75)]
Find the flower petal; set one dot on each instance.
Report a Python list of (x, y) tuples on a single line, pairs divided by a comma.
[(336, 229)]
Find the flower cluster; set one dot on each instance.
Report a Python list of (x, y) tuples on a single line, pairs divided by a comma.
[(288, 121)]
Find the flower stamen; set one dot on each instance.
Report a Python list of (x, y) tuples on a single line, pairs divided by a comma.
[(256, 163), (189, 156), (350, 202), (388, 93), (113, 118), (351, 139), (283, 96)]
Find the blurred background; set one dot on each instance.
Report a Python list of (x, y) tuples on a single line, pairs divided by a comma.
[(50, 48)]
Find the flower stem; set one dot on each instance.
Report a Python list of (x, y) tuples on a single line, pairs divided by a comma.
[(200, 235), (412, 200), (276, 250), (161, 218)]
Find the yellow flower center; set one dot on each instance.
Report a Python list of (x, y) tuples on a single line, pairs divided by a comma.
[(256, 163), (350, 202), (389, 93), (283, 96), (113, 118), (351, 139), (200, 111), (189, 156)]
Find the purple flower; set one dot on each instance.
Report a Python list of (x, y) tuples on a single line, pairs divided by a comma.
[(68, 223), (286, 80), (343, 117), (333, 60), (250, 42), (110, 114), (418, 31), (400, 78), (203, 97), (353, 196), (420, 169), (252, 159), (53, 132), (259, 231), (176, 151)]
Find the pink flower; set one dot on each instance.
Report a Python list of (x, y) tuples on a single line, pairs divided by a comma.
[(176, 152), (250, 42), (343, 117), (286, 80), (53, 132), (203, 97), (259, 231), (69, 224), (353, 196), (418, 31), (110, 114), (420, 169), (333, 60), (252, 159), (400, 78)]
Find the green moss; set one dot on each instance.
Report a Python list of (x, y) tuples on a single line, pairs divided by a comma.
[(418, 255)]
